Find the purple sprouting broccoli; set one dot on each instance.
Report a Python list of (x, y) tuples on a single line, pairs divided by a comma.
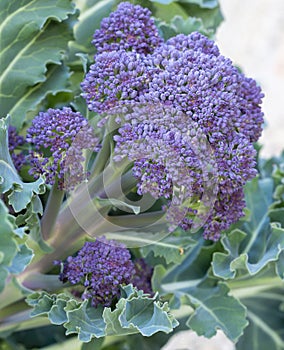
[(189, 118), (100, 267), (191, 76), (59, 136), (15, 141), (129, 28), (115, 78)]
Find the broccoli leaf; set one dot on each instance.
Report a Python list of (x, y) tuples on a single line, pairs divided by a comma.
[(23, 197), (33, 34), (215, 309), (135, 312), (91, 14), (212, 306), (266, 317), (256, 243), (14, 254), (206, 4), (172, 248), (19, 194)]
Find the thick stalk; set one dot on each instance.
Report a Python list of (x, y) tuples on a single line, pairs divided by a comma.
[(250, 288), (79, 216), (101, 158), (51, 211)]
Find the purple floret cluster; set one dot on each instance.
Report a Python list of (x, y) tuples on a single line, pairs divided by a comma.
[(101, 267), (129, 28), (15, 141), (183, 104), (59, 136)]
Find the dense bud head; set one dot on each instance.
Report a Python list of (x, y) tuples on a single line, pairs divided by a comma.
[(101, 267), (180, 92), (129, 28), (193, 77), (59, 136), (115, 78)]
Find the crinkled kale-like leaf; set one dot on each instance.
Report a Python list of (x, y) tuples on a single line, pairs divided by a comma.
[(14, 254), (256, 243), (19, 194), (212, 306), (135, 312)]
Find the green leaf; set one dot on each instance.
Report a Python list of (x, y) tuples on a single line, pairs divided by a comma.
[(91, 14), (57, 80), (138, 313), (163, 2), (188, 283), (20, 194), (34, 33), (21, 260), (166, 12), (179, 25), (250, 249), (277, 215), (172, 248), (86, 321), (23, 197), (266, 318), (135, 312), (8, 245), (14, 257), (189, 25), (211, 16), (215, 309), (206, 4)]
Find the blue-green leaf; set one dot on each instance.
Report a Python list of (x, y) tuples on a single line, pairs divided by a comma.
[(34, 33), (257, 243), (172, 248), (135, 312), (57, 80), (215, 309), (14, 254), (86, 321), (266, 318), (91, 14), (206, 4), (163, 2), (20, 194)]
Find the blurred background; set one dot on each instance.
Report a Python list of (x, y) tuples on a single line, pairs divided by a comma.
[(252, 35)]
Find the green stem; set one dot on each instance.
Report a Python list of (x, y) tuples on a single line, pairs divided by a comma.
[(251, 287), (11, 293), (51, 211), (23, 321), (101, 158), (78, 217), (50, 283)]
